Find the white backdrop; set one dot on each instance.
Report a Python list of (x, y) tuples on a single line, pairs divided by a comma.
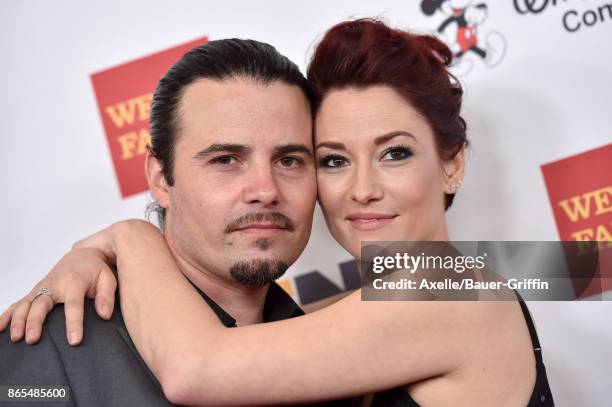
[(548, 99)]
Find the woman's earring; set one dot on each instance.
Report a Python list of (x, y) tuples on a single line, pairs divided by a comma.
[(454, 187)]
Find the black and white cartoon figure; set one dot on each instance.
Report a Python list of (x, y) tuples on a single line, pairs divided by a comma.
[(460, 31)]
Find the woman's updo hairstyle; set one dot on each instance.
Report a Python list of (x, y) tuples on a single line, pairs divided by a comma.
[(367, 52)]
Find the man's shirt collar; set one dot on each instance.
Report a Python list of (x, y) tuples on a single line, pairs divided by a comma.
[(278, 306)]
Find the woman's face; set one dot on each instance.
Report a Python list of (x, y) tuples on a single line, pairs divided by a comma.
[(378, 170)]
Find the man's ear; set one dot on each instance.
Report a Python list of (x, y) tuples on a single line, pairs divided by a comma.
[(156, 180), (453, 171)]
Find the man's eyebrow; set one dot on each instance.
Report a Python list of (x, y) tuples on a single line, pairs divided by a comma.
[(293, 148), (222, 148), (388, 136), (377, 141)]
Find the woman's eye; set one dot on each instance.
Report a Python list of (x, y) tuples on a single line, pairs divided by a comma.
[(224, 160), (332, 161), (396, 154)]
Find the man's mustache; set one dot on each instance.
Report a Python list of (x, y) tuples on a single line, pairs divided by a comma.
[(274, 218)]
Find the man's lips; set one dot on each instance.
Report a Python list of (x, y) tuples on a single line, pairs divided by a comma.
[(262, 229), (369, 221)]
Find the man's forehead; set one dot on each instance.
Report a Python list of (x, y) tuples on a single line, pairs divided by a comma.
[(228, 87), (243, 111), (241, 93)]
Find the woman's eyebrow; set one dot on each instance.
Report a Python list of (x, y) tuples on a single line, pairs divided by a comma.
[(388, 136), (378, 140), (331, 144)]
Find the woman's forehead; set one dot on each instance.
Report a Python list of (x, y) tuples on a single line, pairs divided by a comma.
[(365, 114)]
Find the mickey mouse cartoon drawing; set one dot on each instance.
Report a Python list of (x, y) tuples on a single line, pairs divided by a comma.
[(460, 29)]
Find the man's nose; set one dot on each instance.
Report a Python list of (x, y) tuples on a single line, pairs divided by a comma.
[(261, 186), (366, 187)]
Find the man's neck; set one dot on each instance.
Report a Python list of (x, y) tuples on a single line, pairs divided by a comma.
[(245, 304)]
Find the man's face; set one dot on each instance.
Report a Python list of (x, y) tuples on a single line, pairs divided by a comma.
[(242, 203)]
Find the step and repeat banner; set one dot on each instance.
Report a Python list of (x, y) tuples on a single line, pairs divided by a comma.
[(77, 80)]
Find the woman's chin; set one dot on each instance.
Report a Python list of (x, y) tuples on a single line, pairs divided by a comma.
[(383, 235)]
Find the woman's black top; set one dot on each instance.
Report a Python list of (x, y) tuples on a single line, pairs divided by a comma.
[(540, 397)]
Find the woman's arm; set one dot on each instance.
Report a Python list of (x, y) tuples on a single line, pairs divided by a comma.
[(352, 347)]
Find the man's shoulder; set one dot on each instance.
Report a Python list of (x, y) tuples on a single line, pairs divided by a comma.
[(31, 365), (54, 338), (106, 360), (55, 324), (92, 322), (109, 338)]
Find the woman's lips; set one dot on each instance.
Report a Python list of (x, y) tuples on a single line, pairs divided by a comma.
[(369, 221)]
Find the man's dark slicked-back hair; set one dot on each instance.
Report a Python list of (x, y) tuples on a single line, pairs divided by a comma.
[(218, 60)]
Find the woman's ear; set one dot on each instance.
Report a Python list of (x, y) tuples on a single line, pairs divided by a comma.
[(453, 171), (156, 180)]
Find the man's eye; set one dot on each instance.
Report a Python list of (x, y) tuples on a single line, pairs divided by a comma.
[(397, 153), (332, 161), (289, 162), (224, 160)]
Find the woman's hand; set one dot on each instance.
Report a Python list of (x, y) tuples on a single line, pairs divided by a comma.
[(83, 272)]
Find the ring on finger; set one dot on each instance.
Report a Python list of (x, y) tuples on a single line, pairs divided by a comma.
[(43, 291)]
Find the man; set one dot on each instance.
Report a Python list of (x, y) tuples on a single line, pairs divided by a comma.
[(231, 167)]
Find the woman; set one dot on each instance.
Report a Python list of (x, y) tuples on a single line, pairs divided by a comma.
[(389, 144)]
